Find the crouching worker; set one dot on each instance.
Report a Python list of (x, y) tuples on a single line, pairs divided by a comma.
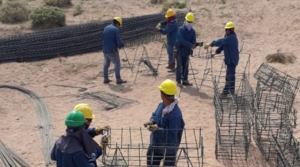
[(76, 148), (166, 125), (87, 111)]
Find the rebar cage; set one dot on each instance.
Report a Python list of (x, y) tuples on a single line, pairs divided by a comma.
[(129, 147)]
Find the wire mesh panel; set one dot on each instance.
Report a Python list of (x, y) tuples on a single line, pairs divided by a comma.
[(132, 147)]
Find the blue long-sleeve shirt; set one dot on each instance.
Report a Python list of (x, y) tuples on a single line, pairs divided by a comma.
[(185, 39), (229, 45), (170, 31), (170, 129), (91, 132), (111, 39), (76, 159)]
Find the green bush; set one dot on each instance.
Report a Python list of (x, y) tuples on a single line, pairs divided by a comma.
[(77, 11), (48, 17), (58, 3), (179, 5), (157, 1), (13, 12)]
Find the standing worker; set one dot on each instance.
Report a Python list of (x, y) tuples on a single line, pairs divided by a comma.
[(76, 148), (111, 43), (166, 125), (87, 111), (229, 44), (186, 38), (171, 31)]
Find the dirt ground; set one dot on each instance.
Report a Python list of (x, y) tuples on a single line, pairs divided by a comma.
[(265, 27)]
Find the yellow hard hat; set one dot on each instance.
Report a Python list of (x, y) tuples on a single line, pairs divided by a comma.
[(170, 13), (229, 25), (118, 19), (189, 17), (86, 110), (168, 87)]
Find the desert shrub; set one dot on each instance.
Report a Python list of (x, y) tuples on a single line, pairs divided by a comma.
[(77, 11), (48, 17), (157, 1), (0, 2), (58, 3), (13, 12), (179, 5), (283, 58)]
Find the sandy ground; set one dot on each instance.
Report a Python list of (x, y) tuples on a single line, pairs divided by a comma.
[(265, 26)]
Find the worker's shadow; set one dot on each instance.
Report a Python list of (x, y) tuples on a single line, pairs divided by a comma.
[(192, 90), (122, 88)]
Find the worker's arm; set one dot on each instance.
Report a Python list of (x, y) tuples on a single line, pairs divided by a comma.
[(80, 159), (183, 41), (118, 39), (53, 153), (221, 41), (219, 49), (91, 132), (163, 22), (168, 29), (174, 131)]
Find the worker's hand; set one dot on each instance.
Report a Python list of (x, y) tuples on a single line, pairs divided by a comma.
[(152, 128), (99, 130), (158, 26), (206, 46), (103, 142), (213, 55), (148, 123)]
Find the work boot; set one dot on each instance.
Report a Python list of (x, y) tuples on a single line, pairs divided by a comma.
[(186, 83), (169, 66), (121, 81), (178, 83), (107, 81), (172, 68)]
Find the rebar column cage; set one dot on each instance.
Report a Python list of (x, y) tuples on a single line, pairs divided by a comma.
[(233, 122), (129, 146)]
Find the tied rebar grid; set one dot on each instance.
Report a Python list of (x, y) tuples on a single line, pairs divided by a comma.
[(275, 116), (129, 147), (78, 39)]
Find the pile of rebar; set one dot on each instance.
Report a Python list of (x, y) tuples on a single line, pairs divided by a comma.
[(10, 158), (275, 116), (78, 39), (44, 118)]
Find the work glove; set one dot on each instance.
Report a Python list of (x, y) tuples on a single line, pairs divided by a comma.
[(206, 46), (213, 55), (152, 128), (103, 142), (99, 130), (158, 26)]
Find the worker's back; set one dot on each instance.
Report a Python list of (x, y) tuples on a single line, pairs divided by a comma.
[(111, 39)]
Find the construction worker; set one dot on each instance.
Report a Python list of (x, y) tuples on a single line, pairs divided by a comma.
[(166, 125), (171, 32), (76, 148), (228, 44), (87, 111), (111, 43), (186, 41)]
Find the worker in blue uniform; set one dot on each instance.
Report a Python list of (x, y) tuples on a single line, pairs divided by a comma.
[(166, 125), (229, 44), (171, 32), (111, 43), (76, 148)]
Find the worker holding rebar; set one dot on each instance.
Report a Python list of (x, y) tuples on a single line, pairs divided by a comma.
[(76, 148), (166, 125), (111, 43), (87, 111), (186, 42), (228, 44), (171, 32)]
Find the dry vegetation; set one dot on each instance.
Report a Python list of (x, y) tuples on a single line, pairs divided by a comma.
[(13, 12), (283, 58)]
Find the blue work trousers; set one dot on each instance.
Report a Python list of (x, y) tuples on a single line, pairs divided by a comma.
[(182, 68), (115, 59), (230, 79), (170, 50)]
